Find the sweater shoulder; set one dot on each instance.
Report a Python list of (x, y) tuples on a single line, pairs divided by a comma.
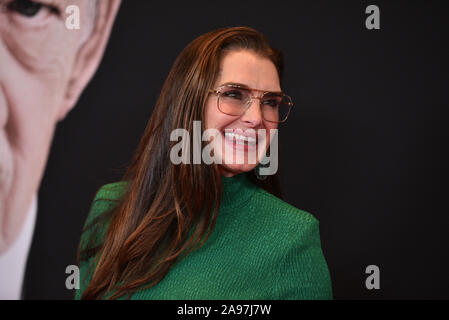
[(111, 191), (290, 225), (301, 270), (106, 199), (285, 213)]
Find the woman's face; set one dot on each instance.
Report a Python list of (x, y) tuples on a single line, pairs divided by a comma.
[(248, 69)]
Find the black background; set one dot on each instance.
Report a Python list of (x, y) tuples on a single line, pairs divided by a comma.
[(364, 151)]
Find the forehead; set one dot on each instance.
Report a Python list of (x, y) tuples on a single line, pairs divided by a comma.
[(248, 68)]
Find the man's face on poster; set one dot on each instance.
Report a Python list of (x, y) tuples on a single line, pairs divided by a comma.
[(44, 66)]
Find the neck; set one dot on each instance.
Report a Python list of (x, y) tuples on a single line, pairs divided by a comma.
[(237, 189)]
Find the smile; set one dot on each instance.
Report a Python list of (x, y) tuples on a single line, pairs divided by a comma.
[(241, 139)]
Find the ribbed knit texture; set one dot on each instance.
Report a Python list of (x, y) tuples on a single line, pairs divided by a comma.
[(261, 248)]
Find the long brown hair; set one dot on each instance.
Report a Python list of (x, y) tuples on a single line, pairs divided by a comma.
[(168, 210)]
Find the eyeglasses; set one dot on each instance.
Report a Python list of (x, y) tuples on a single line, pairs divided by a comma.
[(234, 100)]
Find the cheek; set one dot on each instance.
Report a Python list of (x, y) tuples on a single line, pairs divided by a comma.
[(32, 102), (32, 116), (6, 166), (214, 118), (29, 129), (270, 128), (35, 67), (31, 98), (33, 81), (38, 48)]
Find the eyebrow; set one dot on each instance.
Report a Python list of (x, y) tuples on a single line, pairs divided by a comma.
[(235, 84), (247, 87)]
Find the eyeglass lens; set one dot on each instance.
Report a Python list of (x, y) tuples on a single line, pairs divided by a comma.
[(234, 101)]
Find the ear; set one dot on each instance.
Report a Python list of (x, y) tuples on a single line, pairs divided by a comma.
[(90, 54)]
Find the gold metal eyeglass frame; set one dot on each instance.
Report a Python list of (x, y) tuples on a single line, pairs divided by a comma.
[(231, 85)]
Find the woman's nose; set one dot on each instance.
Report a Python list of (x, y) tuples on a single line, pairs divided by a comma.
[(253, 113)]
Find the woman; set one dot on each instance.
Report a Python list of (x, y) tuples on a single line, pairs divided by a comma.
[(189, 230)]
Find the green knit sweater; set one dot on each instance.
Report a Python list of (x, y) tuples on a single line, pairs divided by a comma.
[(261, 248)]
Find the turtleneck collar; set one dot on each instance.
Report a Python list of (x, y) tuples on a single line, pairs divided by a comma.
[(237, 190)]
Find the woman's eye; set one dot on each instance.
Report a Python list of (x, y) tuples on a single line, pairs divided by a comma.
[(271, 102), (28, 8), (235, 94)]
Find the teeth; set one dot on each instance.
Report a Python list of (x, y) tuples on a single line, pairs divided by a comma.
[(241, 139)]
